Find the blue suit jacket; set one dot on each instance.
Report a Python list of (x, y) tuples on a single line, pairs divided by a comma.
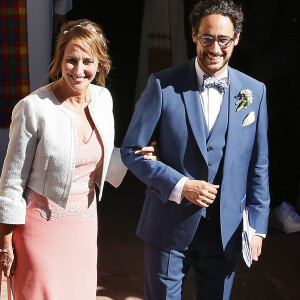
[(169, 110)]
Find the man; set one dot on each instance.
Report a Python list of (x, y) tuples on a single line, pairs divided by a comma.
[(213, 162)]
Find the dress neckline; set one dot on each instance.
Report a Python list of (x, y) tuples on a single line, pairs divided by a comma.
[(81, 142)]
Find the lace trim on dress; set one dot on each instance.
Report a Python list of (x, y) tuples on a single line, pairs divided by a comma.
[(76, 207)]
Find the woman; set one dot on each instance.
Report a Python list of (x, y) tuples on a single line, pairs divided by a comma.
[(61, 144)]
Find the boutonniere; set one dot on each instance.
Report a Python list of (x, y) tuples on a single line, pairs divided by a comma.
[(245, 98)]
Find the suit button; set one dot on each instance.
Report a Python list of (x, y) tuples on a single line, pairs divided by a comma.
[(209, 148), (156, 192), (209, 164)]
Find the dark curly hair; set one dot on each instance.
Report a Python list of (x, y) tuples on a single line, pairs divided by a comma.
[(225, 8)]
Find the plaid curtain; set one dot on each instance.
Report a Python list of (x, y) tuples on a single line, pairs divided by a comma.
[(14, 71)]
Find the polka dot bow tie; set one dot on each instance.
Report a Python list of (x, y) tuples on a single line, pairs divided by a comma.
[(221, 84)]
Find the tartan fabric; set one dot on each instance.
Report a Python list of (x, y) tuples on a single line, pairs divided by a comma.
[(14, 70)]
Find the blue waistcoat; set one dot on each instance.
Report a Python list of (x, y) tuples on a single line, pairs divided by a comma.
[(215, 141)]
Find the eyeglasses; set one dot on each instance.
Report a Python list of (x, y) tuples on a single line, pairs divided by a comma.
[(207, 41)]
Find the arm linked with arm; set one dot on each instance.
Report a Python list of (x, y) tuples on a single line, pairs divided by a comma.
[(157, 175)]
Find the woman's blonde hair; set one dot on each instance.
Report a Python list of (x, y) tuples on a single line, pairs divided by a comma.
[(91, 38)]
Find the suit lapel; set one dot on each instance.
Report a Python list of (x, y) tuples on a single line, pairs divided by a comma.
[(193, 107), (235, 120)]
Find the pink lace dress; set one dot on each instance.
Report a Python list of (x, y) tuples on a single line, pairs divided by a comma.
[(57, 248)]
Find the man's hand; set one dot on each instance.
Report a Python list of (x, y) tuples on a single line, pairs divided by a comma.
[(200, 192), (256, 245)]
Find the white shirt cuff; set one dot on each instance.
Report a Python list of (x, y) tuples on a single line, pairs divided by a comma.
[(176, 194), (263, 235)]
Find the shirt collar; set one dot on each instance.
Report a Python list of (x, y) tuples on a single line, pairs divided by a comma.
[(200, 73)]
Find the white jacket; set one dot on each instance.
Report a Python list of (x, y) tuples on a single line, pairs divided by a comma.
[(42, 148)]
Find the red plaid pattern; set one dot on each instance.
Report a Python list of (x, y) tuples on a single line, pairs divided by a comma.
[(14, 70)]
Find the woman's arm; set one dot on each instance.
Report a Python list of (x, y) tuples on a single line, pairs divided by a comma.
[(117, 170), (18, 162), (7, 259)]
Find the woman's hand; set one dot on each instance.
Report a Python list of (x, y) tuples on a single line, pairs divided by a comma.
[(150, 152), (7, 255), (8, 263)]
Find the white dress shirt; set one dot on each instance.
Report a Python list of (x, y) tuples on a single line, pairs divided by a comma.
[(211, 100)]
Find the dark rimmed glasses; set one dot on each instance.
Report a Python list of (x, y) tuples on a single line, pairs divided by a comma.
[(207, 41)]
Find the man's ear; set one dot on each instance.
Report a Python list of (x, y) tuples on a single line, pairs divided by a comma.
[(236, 39), (194, 36)]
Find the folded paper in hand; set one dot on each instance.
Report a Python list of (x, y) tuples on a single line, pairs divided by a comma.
[(248, 233)]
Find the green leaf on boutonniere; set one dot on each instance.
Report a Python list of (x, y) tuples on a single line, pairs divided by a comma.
[(245, 98)]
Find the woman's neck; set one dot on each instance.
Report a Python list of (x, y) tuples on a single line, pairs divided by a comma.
[(75, 101)]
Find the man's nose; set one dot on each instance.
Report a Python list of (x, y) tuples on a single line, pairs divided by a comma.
[(215, 47)]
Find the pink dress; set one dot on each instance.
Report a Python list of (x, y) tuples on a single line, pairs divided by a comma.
[(57, 248)]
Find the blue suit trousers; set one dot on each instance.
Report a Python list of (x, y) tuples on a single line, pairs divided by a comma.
[(165, 270)]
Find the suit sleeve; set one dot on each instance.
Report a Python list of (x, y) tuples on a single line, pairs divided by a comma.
[(159, 177), (258, 197)]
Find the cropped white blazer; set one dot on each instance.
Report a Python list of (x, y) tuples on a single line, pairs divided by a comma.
[(42, 148)]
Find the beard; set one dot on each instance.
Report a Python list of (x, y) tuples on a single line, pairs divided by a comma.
[(210, 66)]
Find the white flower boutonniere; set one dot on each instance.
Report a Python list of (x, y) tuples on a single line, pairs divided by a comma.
[(245, 98)]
